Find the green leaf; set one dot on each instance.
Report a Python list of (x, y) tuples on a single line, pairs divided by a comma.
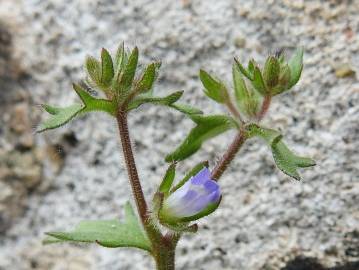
[(129, 71), (186, 109), (284, 79), (247, 99), (258, 82), (271, 71), (243, 70), (296, 67), (196, 169), (106, 68), (251, 65), (142, 99), (59, 116), (120, 59), (168, 179), (207, 128), (94, 104), (148, 78), (214, 88), (93, 68), (108, 233), (285, 159)]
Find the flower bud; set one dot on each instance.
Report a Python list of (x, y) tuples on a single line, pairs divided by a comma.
[(198, 197)]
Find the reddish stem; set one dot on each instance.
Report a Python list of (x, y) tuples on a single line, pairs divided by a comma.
[(229, 155), (265, 106), (131, 166)]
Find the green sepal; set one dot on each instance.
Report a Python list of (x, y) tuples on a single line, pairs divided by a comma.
[(93, 68), (168, 179), (127, 76), (207, 127), (207, 211), (180, 227), (142, 99), (148, 78), (107, 70), (246, 98), (283, 82), (296, 66), (107, 233), (61, 116), (120, 59), (213, 88), (258, 82), (271, 72), (196, 169), (285, 159), (248, 73), (251, 65)]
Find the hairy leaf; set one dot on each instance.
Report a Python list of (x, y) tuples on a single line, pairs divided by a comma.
[(107, 233), (186, 109), (106, 68), (287, 161), (166, 101), (168, 179), (258, 81), (247, 98), (245, 72), (61, 116), (148, 78), (207, 128), (129, 72), (93, 68), (296, 67), (271, 71), (120, 59), (214, 88)]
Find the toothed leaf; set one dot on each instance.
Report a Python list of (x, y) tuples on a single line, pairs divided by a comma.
[(107, 233), (59, 116), (287, 161)]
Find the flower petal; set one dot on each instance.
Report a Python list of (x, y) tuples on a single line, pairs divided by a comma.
[(201, 177)]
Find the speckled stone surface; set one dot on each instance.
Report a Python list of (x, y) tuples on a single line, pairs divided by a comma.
[(265, 217)]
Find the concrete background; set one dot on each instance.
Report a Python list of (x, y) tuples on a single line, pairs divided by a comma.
[(54, 180)]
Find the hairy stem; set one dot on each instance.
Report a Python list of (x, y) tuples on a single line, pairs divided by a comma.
[(131, 166), (265, 106), (229, 155), (163, 247), (165, 257)]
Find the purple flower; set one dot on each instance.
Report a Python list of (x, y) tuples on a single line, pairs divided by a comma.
[(196, 195)]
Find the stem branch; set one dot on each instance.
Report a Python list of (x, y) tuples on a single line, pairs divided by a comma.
[(229, 155)]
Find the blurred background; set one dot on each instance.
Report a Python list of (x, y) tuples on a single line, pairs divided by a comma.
[(266, 221)]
